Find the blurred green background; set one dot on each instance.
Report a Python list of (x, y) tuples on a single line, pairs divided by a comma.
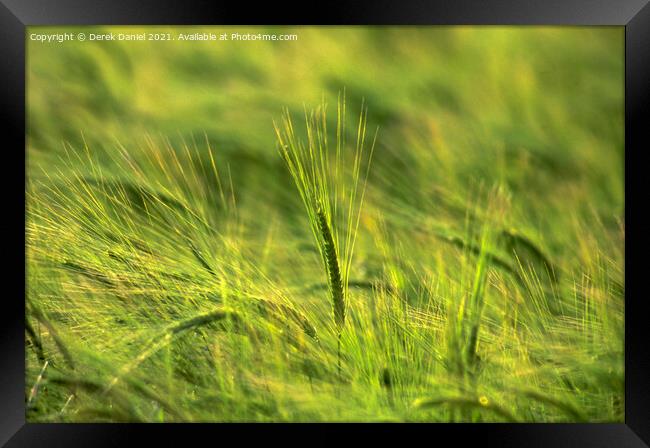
[(545, 103)]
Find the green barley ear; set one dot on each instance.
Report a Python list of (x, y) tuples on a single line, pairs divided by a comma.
[(331, 184), (331, 259)]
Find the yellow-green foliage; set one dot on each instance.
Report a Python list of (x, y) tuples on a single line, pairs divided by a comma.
[(207, 241)]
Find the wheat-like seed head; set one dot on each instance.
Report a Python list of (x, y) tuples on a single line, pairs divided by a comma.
[(331, 260), (332, 190)]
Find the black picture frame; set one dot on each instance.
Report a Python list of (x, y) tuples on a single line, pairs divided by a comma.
[(15, 15)]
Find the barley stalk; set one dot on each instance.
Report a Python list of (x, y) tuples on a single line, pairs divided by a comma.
[(332, 196)]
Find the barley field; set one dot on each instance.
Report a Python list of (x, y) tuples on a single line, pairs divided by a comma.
[(364, 224)]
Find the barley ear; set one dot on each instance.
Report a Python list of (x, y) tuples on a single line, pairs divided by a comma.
[(331, 260)]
